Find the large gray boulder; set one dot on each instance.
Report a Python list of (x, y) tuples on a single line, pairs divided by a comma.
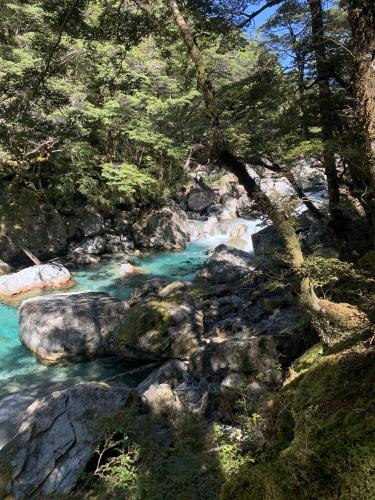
[(87, 251), (170, 388), (12, 411), (200, 198), (70, 326), (40, 276), (159, 328), (266, 241), (166, 229), (56, 439), (226, 264), (86, 222), (237, 355)]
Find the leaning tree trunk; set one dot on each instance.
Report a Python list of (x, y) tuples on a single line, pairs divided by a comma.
[(326, 112), (362, 20), (221, 155)]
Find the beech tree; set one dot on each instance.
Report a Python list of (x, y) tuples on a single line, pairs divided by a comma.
[(327, 116), (362, 20), (221, 155)]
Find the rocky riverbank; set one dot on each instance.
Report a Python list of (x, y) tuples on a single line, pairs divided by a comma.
[(231, 331)]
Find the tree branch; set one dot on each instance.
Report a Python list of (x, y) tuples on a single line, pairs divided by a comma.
[(253, 15)]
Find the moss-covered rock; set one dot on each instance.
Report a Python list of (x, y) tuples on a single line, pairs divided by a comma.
[(329, 447), (160, 328), (28, 220)]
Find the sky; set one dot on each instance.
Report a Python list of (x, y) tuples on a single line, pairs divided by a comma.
[(266, 14)]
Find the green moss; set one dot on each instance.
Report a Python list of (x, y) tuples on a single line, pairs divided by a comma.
[(368, 261), (330, 447), (149, 319), (304, 362)]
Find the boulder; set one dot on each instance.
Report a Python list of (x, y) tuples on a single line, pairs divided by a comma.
[(12, 411), (40, 276), (166, 229), (92, 246), (29, 222), (172, 372), (170, 388), (91, 223), (315, 238), (159, 328), (226, 264), (200, 198), (126, 268), (160, 399), (244, 356), (4, 268), (56, 440), (267, 240), (87, 251), (150, 288), (117, 243), (70, 326), (310, 174)]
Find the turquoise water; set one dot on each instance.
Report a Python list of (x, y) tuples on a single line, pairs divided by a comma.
[(18, 368)]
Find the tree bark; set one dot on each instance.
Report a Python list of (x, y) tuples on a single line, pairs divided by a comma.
[(222, 156), (362, 21), (288, 174), (327, 115)]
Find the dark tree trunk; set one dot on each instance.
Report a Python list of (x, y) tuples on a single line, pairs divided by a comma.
[(327, 115), (362, 20)]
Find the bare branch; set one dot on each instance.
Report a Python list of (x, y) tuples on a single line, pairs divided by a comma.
[(253, 15)]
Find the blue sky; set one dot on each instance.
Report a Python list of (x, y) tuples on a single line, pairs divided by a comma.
[(266, 14)]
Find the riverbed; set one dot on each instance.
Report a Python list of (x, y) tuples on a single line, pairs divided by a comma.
[(20, 372)]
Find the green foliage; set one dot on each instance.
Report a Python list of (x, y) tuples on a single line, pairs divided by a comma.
[(126, 177), (326, 435), (343, 282), (149, 457), (312, 148)]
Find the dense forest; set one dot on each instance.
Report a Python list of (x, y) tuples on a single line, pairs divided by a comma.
[(132, 131)]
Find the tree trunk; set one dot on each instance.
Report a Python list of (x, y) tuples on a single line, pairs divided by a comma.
[(362, 20), (288, 174), (327, 116), (221, 155)]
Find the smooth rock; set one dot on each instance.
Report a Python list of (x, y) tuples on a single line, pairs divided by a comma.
[(56, 440), (40, 276), (70, 326), (126, 268), (159, 328), (166, 229), (226, 264), (160, 399), (4, 268), (200, 198), (12, 411)]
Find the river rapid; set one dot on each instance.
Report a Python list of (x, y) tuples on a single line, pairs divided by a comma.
[(20, 372)]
